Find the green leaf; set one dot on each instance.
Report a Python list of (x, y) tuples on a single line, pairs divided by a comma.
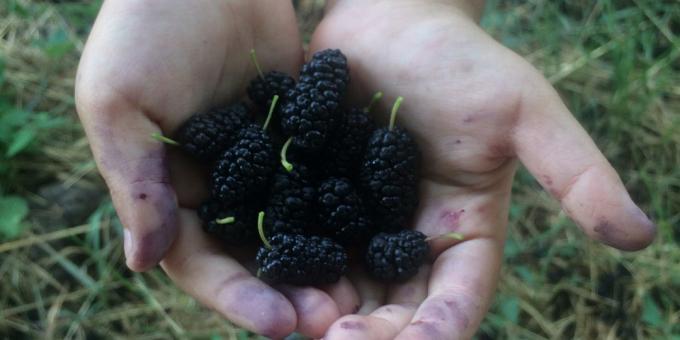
[(650, 312), (21, 140), (13, 209)]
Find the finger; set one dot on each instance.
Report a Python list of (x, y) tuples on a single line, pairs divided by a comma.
[(134, 167), (315, 309), (412, 291), (196, 264), (383, 323), (565, 160), (345, 296), (462, 284), (372, 294)]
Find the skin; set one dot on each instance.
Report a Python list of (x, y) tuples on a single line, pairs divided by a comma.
[(475, 108)]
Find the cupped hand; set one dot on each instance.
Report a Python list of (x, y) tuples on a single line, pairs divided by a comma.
[(475, 109), (148, 66)]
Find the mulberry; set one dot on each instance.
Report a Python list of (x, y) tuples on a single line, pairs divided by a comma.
[(396, 257), (345, 149), (389, 175), (290, 208), (342, 213), (243, 171), (309, 113), (301, 260), (206, 136), (263, 88), (327, 70), (235, 225)]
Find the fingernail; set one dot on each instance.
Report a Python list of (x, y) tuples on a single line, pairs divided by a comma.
[(127, 243)]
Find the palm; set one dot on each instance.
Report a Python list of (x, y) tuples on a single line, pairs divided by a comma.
[(458, 106)]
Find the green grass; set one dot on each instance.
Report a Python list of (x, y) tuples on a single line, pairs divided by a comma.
[(616, 64)]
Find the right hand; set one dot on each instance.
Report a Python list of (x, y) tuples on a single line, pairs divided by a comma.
[(147, 66)]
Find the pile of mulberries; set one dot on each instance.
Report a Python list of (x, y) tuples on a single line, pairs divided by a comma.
[(315, 183)]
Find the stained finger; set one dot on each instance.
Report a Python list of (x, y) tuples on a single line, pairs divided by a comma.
[(315, 309), (383, 323), (345, 296), (568, 164), (462, 284), (198, 266)]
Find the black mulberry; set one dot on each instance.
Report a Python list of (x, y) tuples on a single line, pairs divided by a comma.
[(396, 257), (389, 176), (345, 149), (292, 199), (235, 226), (300, 260), (262, 89), (327, 70), (243, 172), (342, 213), (206, 136), (309, 112)]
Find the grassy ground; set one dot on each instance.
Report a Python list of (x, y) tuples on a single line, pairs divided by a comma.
[(616, 63)]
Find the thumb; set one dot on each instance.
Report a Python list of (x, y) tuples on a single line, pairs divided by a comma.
[(134, 167), (567, 163)]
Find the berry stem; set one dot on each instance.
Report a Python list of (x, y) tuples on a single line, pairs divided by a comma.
[(225, 220), (455, 236), (284, 161), (376, 98), (271, 112), (260, 229), (159, 137), (253, 57), (395, 108)]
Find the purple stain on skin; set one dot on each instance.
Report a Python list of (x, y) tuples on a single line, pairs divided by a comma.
[(460, 318), (250, 303), (548, 181), (469, 119), (353, 325), (428, 328), (610, 232), (612, 235), (451, 219), (458, 141), (151, 207)]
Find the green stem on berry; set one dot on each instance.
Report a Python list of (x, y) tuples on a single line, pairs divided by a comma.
[(455, 236), (284, 161), (159, 137), (376, 98), (260, 229), (395, 108), (271, 111), (225, 220), (253, 56)]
